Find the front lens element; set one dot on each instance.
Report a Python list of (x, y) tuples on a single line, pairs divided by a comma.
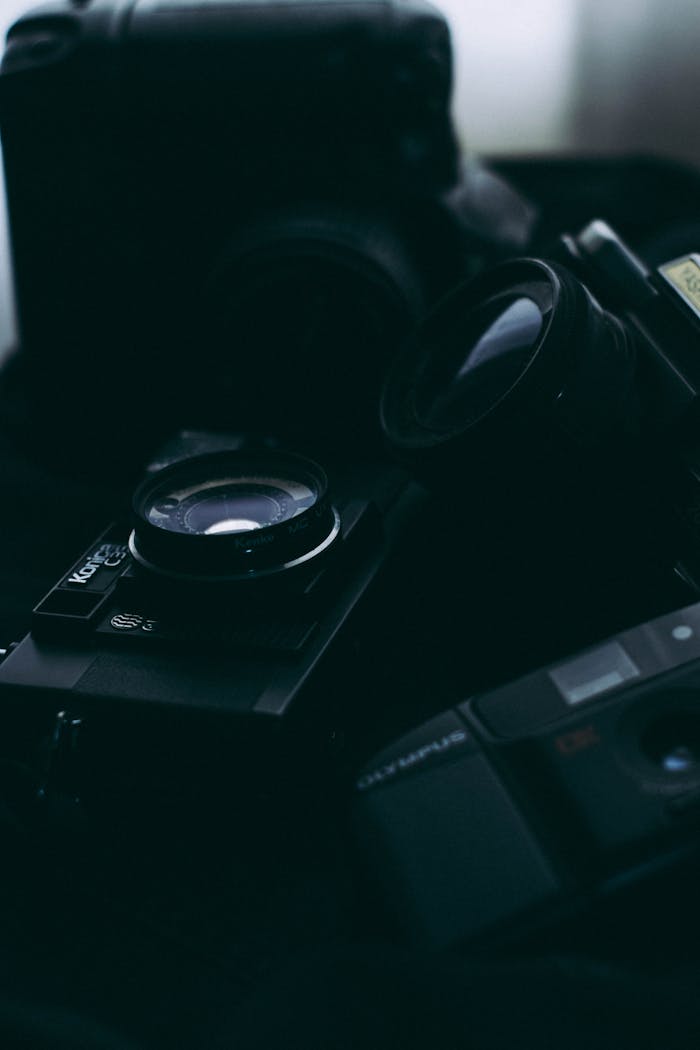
[(229, 504), (672, 743), (229, 515), (484, 362)]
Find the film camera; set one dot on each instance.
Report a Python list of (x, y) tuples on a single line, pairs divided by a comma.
[(581, 777), (203, 196), (230, 609)]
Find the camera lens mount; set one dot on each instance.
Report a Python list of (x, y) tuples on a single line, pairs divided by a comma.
[(228, 516)]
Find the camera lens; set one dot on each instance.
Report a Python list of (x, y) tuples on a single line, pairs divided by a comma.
[(672, 743), (521, 354), (462, 384), (230, 515), (219, 505), (679, 759)]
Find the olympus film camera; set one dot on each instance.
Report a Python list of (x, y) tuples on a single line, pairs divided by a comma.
[(202, 197), (578, 778)]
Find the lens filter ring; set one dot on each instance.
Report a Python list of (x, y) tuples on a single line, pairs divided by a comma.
[(228, 516)]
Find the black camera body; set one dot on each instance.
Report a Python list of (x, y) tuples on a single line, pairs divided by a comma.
[(230, 615), (265, 190)]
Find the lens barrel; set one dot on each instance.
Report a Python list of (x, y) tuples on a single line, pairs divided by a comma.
[(522, 354), (228, 516), (319, 301)]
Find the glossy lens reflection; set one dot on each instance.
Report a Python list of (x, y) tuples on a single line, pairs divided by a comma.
[(672, 743), (232, 515), (485, 360), (680, 759), (227, 505)]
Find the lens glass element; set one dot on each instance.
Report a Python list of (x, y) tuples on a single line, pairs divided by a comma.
[(228, 504), (672, 742), (485, 360), (229, 515)]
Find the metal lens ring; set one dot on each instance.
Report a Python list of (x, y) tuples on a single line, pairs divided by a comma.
[(232, 515)]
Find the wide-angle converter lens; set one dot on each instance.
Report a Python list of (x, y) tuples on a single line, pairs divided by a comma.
[(512, 360), (227, 515), (463, 384)]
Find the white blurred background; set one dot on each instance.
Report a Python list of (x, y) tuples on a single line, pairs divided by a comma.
[(595, 75), (552, 75)]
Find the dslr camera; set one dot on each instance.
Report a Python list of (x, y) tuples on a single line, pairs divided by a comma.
[(230, 215), (563, 390)]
